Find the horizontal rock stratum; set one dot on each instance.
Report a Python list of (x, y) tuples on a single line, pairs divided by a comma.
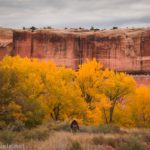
[(125, 50)]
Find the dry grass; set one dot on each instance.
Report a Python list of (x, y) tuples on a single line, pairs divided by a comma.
[(62, 140), (65, 140)]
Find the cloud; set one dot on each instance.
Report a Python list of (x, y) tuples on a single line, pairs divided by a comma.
[(74, 13)]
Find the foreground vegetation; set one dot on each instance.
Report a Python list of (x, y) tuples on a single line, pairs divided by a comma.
[(35, 92), (102, 137), (86, 141)]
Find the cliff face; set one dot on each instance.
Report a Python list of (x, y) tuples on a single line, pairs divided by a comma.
[(123, 50), (5, 42), (142, 79), (22, 43)]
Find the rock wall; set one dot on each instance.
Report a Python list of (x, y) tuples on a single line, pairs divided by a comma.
[(22, 43), (142, 79), (5, 42), (122, 50)]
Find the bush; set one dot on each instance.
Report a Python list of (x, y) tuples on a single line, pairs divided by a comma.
[(34, 113), (114, 28), (61, 127), (76, 146), (33, 28), (100, 129), (108, 129), (7, 137), (98, 140), (40, 134), (89, 129), (146, 137), (104, 141), (2, 125), (130, 143), (92, 28), (18, 126)]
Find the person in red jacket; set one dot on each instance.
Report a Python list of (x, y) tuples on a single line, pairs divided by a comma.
[(74, 126)]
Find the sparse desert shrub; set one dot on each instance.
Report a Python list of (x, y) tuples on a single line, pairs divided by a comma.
[(2, 125), (124, 143), (63, 126), (142, 136), (104, 141), (92, 28), (108, 129), (115, 28), (7, 136), (89, 129), (98, 140), (36, 134), (100, 129), (33, 28), (18, 126), (96, 29), (49, 27), (130, 143), (76, 146), (111, 141), (146, 137)]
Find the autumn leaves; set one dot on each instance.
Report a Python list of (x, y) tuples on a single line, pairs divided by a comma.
[(33, 91)]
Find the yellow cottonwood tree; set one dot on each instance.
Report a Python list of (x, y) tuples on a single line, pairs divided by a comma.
[(32, 91), (116, 87), (139, 103), (90, 78), (63, 97)]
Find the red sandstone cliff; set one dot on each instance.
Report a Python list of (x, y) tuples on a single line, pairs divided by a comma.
[(5, 42), (122, 49)]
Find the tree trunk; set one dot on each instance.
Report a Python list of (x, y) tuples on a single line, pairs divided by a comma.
[(106, 120), (111, 111), (56, 112)]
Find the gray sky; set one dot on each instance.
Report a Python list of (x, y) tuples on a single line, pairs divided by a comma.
[(74, 13)]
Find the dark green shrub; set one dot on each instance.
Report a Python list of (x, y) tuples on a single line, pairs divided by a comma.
[(36, 134), (18, 126), (76, 146), (33, 28), (114, 28), (7, 137), (34, 113)]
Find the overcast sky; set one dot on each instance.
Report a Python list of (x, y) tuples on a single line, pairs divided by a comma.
[(74, 13)]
